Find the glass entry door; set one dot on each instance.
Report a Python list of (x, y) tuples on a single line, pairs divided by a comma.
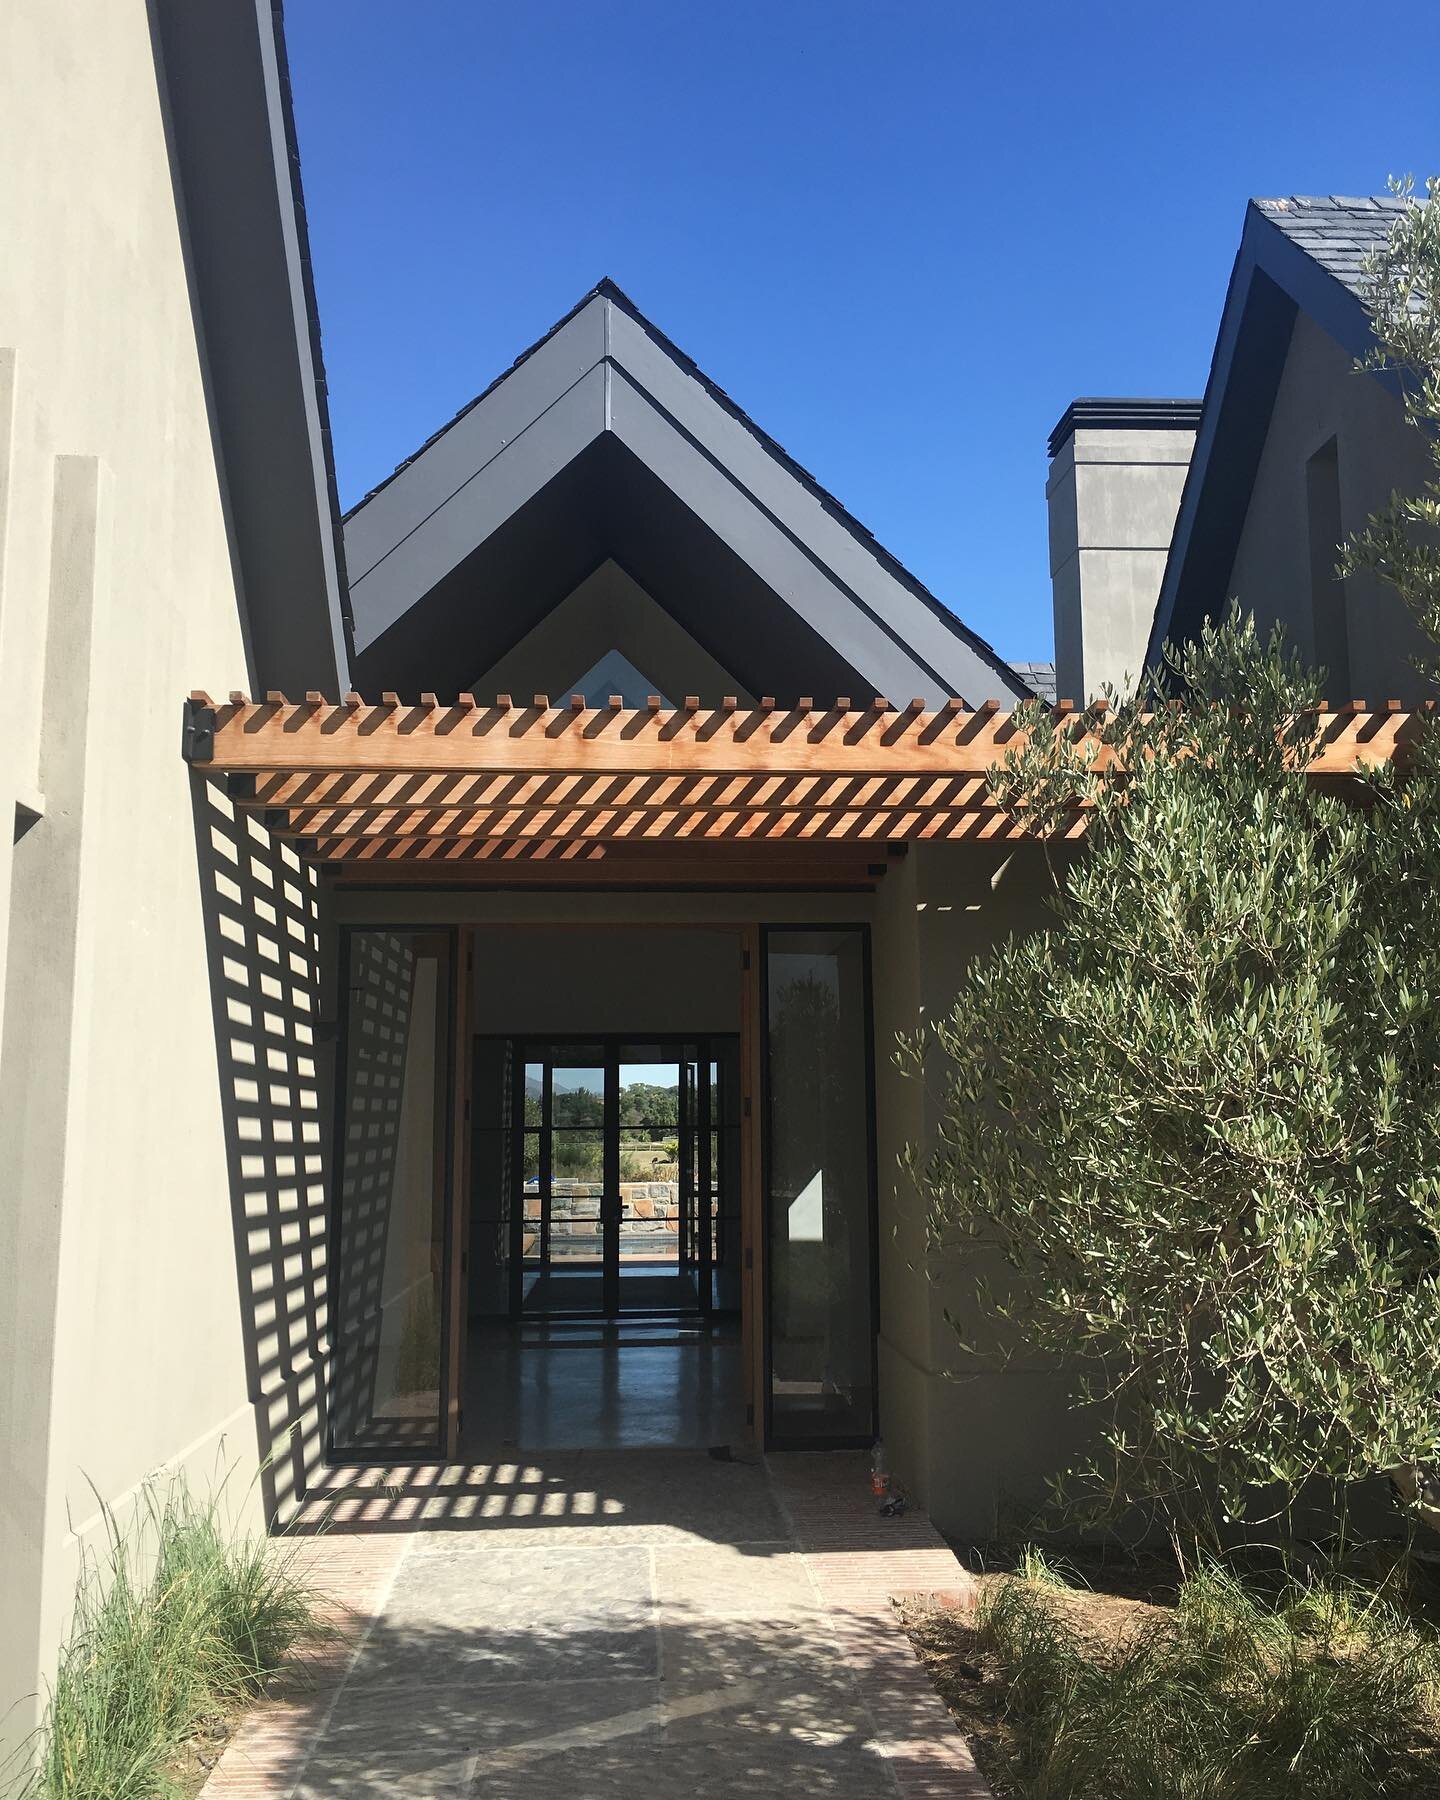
[(627, 1178), (819, 1187)]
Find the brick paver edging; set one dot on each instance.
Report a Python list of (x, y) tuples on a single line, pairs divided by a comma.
[(352, 1575), (862, 1564)]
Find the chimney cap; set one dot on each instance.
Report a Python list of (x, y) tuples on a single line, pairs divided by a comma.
[(1112, 414)]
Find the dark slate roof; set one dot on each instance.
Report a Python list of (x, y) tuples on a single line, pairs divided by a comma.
[(1338, 232), (610, 290), (1039, 677)]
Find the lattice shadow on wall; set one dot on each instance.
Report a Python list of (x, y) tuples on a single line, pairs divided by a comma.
[(262, 929)]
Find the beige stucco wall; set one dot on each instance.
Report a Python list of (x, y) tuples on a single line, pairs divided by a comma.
[(976, 1437), (1321, 396), (530, 979), (121, 1341)]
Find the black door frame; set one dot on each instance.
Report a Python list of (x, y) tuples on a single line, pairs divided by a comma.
[(705, 1178)]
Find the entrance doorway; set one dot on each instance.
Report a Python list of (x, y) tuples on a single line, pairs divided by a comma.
[(623, 1164), (547, 1235)]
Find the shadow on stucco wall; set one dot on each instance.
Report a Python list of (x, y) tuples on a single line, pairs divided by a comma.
[(262, 911)]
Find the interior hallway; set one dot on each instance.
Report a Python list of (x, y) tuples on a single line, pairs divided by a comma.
[(607, 1624)]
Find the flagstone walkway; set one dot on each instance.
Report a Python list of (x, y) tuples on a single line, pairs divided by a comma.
[(607, 1624)]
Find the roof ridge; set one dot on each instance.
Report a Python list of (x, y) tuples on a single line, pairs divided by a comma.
[(1387, 203)]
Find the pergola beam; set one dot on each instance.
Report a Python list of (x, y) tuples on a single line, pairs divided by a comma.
[(275, 736)]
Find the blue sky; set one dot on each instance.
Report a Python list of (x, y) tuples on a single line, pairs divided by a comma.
[(902, 236)]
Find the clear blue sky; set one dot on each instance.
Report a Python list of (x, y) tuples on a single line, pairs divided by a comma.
[(902, 235)]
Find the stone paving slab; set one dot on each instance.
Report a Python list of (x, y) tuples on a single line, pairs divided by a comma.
[(595, 1624)]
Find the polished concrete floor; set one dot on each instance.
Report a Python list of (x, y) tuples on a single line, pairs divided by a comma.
[(548, 1386)]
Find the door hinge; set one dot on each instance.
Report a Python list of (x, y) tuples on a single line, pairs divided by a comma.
[(745, 961), (745, 1106), (749, 1257), (749, 1412)]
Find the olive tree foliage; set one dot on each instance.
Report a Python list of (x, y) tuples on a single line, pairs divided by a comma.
[(1402, 541), (1198, 1116)]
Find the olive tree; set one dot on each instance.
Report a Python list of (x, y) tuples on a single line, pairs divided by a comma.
[(1199, 1113)]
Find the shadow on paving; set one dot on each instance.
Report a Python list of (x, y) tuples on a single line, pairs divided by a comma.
[(656, 1495), (599, 1692)]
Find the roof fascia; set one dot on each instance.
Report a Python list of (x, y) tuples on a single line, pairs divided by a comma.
[(1272, 279), (461, 451), (782, 559), (440, 523), (226, 94)]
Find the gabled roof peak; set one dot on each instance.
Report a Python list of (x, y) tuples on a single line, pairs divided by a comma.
[(1298, 252), (1337, 231), (616, 383)]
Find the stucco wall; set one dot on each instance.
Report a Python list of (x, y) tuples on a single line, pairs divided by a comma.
[(974, 1438), (1321, 396), (121, 1339)]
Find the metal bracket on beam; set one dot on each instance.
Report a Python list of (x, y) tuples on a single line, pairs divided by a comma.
[(197, 732)]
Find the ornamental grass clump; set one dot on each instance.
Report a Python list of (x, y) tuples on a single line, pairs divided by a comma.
[(1319, 1693), (178, 1621)]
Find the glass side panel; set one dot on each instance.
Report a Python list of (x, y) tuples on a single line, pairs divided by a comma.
[(390, 1249), (574, 1203), (577, 1097), (649, 1223), (818, 1187)]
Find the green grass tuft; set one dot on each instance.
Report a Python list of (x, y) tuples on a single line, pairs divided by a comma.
[(179, 1619), (1322, 1692), (1034, 1566)]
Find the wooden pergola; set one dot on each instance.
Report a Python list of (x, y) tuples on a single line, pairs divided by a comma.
[(384, 792)]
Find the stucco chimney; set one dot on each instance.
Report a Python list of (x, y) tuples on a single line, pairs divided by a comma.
[(1116, 471)]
